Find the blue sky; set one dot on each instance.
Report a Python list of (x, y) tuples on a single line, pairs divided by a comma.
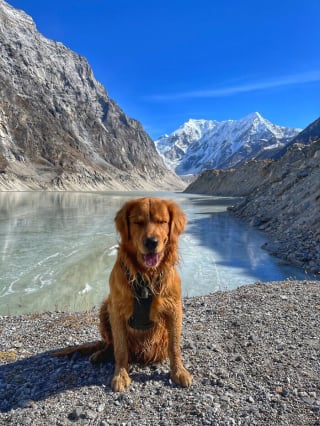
[(165, 62)]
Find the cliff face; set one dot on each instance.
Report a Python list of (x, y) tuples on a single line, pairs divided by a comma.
[(58, 127)]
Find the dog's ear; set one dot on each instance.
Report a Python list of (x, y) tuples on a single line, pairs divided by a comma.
[(178, 220), (122, 221)]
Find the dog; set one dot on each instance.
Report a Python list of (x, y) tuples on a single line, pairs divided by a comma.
[(141, 319)]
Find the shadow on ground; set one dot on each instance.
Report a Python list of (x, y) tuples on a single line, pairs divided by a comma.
[(38, 377)]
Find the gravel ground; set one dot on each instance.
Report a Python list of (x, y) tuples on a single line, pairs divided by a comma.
[(254, 354)]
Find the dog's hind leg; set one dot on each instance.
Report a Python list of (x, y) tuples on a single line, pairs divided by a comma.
[(105, 353), (84, 349), (102, 355)]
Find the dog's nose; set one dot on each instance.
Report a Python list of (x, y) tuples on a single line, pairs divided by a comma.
[(150, 243)]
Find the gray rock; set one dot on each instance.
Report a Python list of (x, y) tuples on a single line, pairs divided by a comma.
[(265, 386)]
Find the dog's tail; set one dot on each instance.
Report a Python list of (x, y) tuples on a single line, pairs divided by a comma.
[(99, 351)]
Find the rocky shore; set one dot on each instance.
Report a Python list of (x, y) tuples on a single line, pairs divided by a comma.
[(281, 197), (253, 353)]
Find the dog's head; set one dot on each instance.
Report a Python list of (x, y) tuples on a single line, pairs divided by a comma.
[(149, 229)]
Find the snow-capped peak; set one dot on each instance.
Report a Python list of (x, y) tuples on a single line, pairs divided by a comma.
[(253, 116), (201, 144)]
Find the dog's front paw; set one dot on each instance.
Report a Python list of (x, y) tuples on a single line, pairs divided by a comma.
[(120, 381), (181, 377)]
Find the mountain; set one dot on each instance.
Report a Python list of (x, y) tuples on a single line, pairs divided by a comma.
[(208, 144), (307, 136), (59, 129)]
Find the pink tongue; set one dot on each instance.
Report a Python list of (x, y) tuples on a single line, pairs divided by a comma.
[(151, 259)]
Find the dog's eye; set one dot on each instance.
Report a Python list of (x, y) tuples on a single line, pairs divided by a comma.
[(162, 222), (138, 223)]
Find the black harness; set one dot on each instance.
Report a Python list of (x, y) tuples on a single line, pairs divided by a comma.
[(143, 294)]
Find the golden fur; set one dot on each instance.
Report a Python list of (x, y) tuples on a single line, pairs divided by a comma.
[(149, 229)]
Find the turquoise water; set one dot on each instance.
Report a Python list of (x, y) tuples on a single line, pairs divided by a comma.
[(57, 249)]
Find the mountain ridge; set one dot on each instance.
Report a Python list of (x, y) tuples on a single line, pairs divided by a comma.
[(209, 144)]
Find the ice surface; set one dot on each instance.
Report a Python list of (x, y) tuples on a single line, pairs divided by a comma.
[(57, 249)]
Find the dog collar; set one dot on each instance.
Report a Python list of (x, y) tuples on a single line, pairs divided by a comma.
[(143, 295)]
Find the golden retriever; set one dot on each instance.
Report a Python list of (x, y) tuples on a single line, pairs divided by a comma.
[(141, 319)]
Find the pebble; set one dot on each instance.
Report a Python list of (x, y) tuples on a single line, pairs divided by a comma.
[(274, 380)]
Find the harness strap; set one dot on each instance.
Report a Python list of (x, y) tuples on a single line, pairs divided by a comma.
[(143, 295), (140, 318)]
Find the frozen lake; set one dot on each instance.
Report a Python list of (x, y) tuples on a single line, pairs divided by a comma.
[(57, 249)]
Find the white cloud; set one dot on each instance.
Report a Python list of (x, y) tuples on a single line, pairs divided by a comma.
[(289, 80)]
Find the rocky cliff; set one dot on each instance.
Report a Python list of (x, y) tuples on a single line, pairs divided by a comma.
[(58, 127)]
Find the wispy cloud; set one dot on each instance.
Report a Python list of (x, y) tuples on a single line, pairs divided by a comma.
[(289, 80)]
